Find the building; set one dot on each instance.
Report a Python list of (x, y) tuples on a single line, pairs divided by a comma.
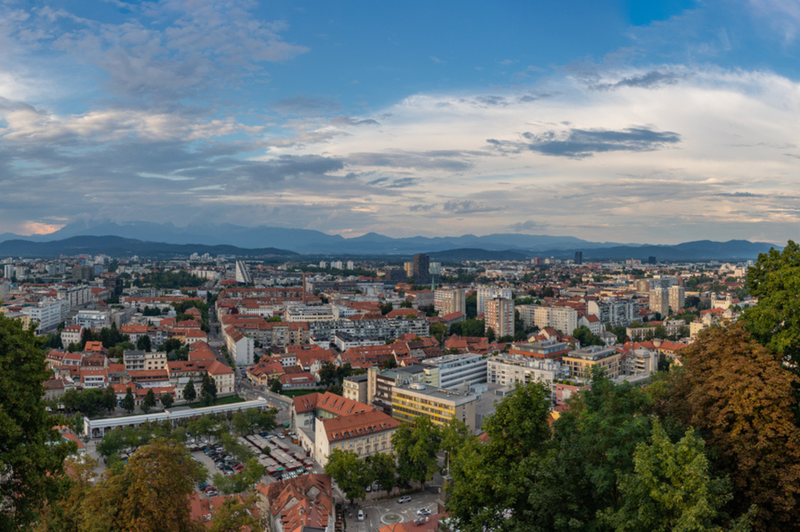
[(615, 312), (421, 269), (677, 298), (364, 433), (450, 371), (581, 362), (243, 273), (591, 322), (450, 301), (309, 313), (355, 388), (71, 334), (413, 400), (659, 301), (308, 409), (240, 347), (499, 317), (552, 349), (47, 314), (381, 383), (85, 273), (134, 360), (507, 370), (578, 257), (484, 293), (301, 504)]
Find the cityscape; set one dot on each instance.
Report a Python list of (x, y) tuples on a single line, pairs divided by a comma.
[(352, 267)]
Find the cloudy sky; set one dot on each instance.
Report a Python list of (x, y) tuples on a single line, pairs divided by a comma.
[(623, 121)]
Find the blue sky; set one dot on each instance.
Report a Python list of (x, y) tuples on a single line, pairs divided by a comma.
[(628, 121)]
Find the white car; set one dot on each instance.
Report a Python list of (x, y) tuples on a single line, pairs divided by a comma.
[(406, 498), (424, 512)]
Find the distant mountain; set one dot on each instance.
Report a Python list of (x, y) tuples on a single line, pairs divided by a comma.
[(459, 255), (115, 246), (281, 241), (734, 250), (305, 240)]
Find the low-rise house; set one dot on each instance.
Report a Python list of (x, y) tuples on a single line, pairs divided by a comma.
[(299, 504)]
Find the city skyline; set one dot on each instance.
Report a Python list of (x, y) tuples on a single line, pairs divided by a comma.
[(607, 121)]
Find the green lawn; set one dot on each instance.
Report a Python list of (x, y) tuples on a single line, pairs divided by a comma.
[(229, 400)]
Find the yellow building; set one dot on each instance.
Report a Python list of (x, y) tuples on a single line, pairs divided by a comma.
[(440, 406), (581, 362)]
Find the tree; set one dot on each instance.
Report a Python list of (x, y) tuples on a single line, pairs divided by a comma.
[(328, 374), (173, 344), (189, 393), (775, 322), (31, 452), (741, 399), (438, 331), (143, 343), (276, 386), (386, 309), (389, 363), (406, 304), (208, 390), (167, 400), (416, 450), (241, 481), (672, 488), (109, 399), (235, 514), (149, 401), (490, 335), (383, 470), (128, 403), (150, 493), (490, 485), (349, 472)]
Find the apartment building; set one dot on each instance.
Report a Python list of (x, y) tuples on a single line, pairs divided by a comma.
[(355, 387), (378, 329), (507, 370), (552, 349), (677, 298), (485, 293), (240, 347), (381, 383), (448, 301), (499, 317), (412, 400), (71, 334), (659, 301), (47, 314), (581, 362), (615, 312), (309, 313)]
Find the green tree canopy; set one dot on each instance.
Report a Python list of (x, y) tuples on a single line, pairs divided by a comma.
[(31, 452), (149, 401), (189, 393), (349, 472), (416, 449), (129, 403)]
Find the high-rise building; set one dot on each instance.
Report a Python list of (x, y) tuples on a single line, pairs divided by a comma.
[(659, 301), (651, 259), (449, 301), (83, 272), (242, 273), (409, 269), (8, 271), (484, 293), (499, 316), (579, 257), (422, 269), (677, 298)]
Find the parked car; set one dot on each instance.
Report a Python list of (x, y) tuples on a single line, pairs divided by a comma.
[(424, 512), (405, 498), (360, 514), (211, 493)]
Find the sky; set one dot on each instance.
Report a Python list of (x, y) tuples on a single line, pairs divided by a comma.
[(625, 121)]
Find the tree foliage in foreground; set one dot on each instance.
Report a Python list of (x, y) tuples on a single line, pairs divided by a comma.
[(741, 399), (31, 452)]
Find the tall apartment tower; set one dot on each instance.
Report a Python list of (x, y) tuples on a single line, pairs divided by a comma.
[(659, 301), (677, 298), (422, 269), (449, 301), (242, 273), (579, 257), (499, 316)]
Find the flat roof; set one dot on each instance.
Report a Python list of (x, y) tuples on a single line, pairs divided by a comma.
[(450, 396)]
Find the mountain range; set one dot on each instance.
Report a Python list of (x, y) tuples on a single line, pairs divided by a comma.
[(164, 240)]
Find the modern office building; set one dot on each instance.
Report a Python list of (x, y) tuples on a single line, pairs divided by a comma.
[(421, 269), (439, 405), (450, 371)]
